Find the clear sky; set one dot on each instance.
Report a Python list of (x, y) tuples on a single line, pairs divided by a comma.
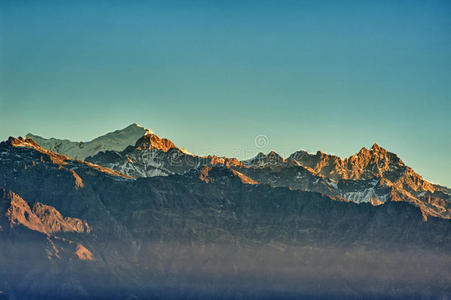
[(213, 75)]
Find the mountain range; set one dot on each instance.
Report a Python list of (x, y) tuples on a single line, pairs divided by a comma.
[(375, 176), (145, 219)]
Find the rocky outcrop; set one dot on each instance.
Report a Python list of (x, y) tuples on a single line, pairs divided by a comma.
[(43, 218), (370, 176), (155, 156), (153, 141)]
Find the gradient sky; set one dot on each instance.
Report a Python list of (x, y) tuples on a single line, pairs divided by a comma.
[(213, 75)]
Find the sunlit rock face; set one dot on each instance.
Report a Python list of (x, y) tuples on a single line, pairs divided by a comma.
[(155, 156), (153, 141), (374, 176), (208, 233), (116, 141), (377, 176), (43, 218)]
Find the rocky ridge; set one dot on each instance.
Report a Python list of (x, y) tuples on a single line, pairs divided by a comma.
[(373, 176), (204, 234), (155, 156)]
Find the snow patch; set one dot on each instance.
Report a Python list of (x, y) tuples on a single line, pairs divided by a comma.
[(363, 196)]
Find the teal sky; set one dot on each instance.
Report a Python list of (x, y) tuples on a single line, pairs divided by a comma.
[(213, 75)]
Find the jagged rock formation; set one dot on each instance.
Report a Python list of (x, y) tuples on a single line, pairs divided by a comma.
[(373, 176), (210, 174), (20, 145), (35, 241), (115, 141), (377, 176), (205, 234), (261, 160), (366, 164), (43, 218), (155, 156), (153, 141)]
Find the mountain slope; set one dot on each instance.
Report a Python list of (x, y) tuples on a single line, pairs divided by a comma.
[(155, 156), (377, 175), (373, 176), (207, 234), (116, 141), (38, 243)]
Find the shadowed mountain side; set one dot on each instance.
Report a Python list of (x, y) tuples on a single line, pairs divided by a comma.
[(154, 156), (46, 158), (39, 248), (373, 176), (181, 236)]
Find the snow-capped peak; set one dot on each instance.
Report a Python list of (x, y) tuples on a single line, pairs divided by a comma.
[(115, 141)]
